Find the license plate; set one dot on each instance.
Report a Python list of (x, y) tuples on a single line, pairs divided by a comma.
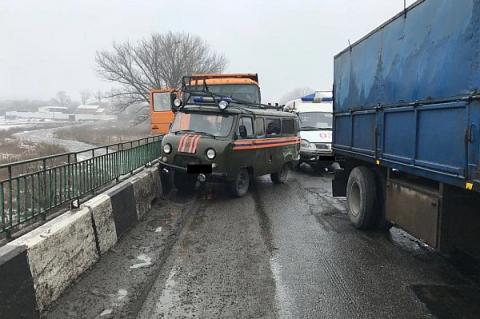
[(199, 168)]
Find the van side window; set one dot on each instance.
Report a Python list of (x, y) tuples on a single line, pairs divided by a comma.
[(273, 127), (248, 123), (288, 126), (260, 126)]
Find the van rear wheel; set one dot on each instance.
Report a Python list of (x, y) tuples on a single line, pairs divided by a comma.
[(281, 176), (362, 197), (239, 186)]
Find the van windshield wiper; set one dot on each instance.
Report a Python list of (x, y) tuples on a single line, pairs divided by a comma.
[(195, 132), (314, 128), (309, 128), (184, 131), (205, 133)]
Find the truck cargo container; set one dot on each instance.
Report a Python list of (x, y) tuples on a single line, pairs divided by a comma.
[(407, 124)]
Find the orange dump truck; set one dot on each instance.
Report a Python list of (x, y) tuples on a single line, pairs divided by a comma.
[(241, 86)]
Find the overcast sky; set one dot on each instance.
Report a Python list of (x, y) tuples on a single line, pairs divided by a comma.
[(48, 46)]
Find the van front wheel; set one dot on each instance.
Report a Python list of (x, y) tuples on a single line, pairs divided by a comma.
[(281, 176), (239, 186)]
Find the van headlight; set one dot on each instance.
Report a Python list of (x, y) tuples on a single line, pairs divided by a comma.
[(305, 144), (211, 153), (167, 148)]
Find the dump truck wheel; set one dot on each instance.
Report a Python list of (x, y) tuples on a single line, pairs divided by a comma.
[(362, 197)]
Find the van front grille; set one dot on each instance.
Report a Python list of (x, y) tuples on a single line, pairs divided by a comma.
[(323, 146), (184, 161)]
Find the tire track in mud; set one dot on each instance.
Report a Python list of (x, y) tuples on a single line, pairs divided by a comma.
[(264, 220), (190, 213), (329, 208)]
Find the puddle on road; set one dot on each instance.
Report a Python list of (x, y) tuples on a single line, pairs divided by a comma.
[(447, 302)]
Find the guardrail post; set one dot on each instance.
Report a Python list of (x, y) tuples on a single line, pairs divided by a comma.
[(44, 211), (130, 165), (10, 206), (69, 178)]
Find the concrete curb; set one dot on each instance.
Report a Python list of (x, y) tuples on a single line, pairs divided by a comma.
[(124, 207), (146, 187), (103, 223), (37, 267), (58, 252), (17, 294)]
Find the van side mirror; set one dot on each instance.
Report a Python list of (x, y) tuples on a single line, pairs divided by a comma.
[(243, 131)]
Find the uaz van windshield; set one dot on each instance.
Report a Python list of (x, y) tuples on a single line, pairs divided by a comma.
[(242, 92), (218, 125), (315, 121)]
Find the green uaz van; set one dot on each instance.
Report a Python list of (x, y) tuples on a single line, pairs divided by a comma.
[(218, 138)]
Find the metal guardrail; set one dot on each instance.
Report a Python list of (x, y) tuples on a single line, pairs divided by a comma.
[(33, 188)]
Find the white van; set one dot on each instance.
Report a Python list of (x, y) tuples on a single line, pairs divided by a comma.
[(315, 115)]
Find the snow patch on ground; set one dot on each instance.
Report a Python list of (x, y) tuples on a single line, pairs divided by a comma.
[(145, 262)]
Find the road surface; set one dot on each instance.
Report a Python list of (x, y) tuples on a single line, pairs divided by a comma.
[(282, 251)]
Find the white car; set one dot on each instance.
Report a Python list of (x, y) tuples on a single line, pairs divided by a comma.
[(315, 129)]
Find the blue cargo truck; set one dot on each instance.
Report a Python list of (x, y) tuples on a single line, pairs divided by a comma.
[(407, 125)]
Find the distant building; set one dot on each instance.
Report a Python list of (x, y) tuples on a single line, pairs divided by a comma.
[(90, 109), (50, 108), (60, 113)]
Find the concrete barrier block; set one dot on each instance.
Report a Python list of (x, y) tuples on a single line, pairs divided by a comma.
[(17, 295), (102, 213), (124, 207), (58, 252), (145, 188)]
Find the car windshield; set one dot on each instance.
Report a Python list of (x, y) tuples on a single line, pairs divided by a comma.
[(206, 123), (315, 120), (242, 92)]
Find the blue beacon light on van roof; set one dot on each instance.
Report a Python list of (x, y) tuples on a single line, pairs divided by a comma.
[(208, 99), (314, 98)]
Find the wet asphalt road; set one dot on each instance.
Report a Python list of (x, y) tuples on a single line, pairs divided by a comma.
[(282, 251)]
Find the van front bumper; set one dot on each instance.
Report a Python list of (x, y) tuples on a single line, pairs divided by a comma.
[(311, 156), (167, 168)]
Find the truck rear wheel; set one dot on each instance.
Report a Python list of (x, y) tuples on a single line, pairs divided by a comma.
[(362, 197)]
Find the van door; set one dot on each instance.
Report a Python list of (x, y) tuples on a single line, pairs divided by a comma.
[(262, 164), (274, 155), (245, 155)]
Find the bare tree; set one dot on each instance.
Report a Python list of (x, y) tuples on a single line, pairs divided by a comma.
[(156, 62), (63, 99), (84, 96), (99, 96), (295, 94)]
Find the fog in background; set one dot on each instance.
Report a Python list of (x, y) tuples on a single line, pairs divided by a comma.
[(48, 46)]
